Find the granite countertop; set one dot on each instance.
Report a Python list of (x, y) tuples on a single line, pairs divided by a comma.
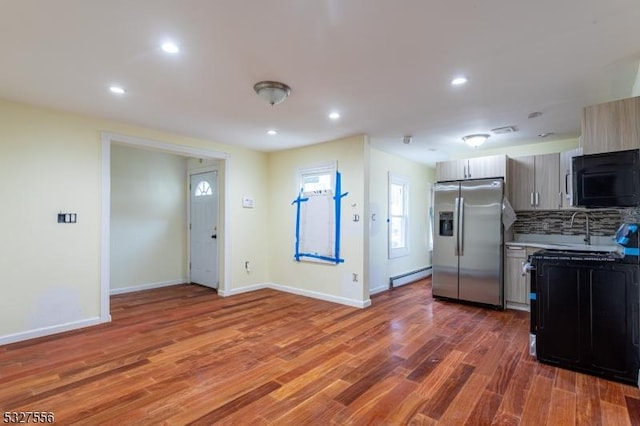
[(565, 242)]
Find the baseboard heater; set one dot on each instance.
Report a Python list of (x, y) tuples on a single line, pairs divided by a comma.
[(409, 277)]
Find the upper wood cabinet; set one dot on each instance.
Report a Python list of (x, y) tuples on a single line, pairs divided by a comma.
[(566, 178), (612, 126), (473, 168), (534, 182)]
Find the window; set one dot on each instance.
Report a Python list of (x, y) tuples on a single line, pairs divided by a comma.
[(203, 188), (318, 214), (317, 179), (398, 216)]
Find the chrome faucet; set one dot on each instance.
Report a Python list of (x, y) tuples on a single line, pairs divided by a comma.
[(587, 237)]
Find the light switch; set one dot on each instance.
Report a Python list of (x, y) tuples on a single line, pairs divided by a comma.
[(247, 202)]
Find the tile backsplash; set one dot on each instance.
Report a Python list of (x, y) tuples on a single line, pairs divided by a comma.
[(556, 222)]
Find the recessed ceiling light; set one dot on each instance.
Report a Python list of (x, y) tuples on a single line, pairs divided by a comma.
[(459, 81), (334, 115), (272, 132), (170, 47), (117, 90)]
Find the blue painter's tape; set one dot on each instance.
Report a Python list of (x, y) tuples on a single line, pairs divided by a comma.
[(298, 201), (631, 251), (337, 200), (325, 258), (533, 296)]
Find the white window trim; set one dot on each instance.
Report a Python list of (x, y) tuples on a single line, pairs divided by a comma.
[(395, 179)]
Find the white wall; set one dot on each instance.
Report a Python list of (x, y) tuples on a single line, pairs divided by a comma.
[(420, 177), (332, 282), (50, 161), (148, 219)]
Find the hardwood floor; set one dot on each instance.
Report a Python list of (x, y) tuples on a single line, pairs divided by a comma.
[(183, 355)]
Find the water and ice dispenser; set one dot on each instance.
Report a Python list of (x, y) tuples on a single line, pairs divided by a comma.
[(446, 224)]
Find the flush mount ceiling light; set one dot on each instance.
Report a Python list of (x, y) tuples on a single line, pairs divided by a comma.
[(117, 90), (407, 139), (170, 47), (274, 92), (475, 140), (334, 115), (272, 132), (458, 81)]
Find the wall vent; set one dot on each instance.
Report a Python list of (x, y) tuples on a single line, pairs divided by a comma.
[(503, 130)]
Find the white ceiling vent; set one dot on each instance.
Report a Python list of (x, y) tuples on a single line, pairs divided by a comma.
[(503, 130)]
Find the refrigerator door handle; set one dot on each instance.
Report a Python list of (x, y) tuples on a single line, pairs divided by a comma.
[(456, 229), (461, 225)]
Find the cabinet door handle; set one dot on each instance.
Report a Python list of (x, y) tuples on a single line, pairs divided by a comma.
[(469, 168), (566, 183), (464, 171), (537, 198), (560, 201), (532, 203)]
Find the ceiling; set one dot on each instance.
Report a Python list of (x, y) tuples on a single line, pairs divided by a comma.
[(385, 65)]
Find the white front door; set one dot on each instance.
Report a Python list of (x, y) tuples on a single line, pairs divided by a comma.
[(204, 229)]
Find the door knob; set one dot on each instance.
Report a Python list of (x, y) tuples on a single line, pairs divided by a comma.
[(214, 236)]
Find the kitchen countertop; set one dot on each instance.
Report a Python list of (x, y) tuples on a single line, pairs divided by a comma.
[(565, 242)]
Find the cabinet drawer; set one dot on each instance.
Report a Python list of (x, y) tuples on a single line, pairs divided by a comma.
[(516, 251)]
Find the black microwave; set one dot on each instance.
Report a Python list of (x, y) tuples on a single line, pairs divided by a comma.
[(609, 179)]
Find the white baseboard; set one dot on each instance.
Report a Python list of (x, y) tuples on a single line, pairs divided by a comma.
[(46, 331), (300, 292), (241, 290), (146, 286), (377, 290)]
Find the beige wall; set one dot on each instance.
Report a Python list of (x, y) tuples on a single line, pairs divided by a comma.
[(148, 218), (420, 178), (50, 161), (332, 282)]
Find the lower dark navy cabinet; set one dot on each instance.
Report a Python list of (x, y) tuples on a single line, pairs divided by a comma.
[(587, 316)]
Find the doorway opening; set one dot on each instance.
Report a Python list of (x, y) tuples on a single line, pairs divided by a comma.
[(221, 270)]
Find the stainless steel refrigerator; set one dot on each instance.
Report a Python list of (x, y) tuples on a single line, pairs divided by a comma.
[(468, 241)]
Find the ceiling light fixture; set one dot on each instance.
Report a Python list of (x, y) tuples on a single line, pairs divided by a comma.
[(272, 132), (476, 140), (274, 92), (458, 81), (117, 90), (170, 47), (546, 134), (334, 115), (534, 114), (407, 139)]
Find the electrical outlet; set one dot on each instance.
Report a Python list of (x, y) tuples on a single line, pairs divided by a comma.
[(545, 226)]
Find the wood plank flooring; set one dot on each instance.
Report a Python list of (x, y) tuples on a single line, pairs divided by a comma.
[(182, 355)]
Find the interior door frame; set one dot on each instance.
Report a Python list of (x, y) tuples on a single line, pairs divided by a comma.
[(108, 139), (197, 171)]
